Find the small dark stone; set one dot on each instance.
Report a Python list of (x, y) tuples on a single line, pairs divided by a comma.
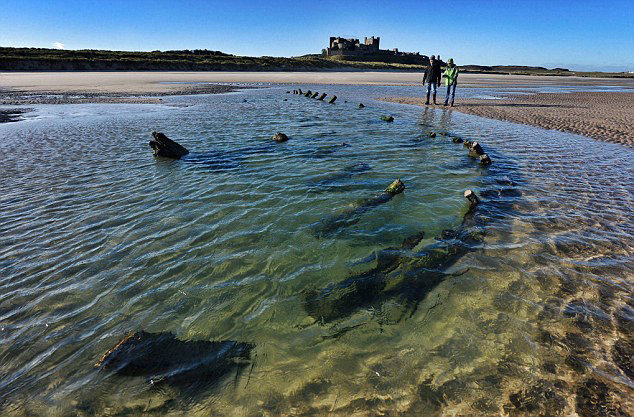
[(549, 367), (540, 399), (487, 405), (577, 343), (594, 400), (361, 105), (387, 118), (576, 363), (332, 99), (430, 396), (432, 134), (457, 140), (521, 403), (623, 356)]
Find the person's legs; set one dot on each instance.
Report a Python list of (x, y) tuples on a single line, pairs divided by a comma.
[(428, 92), (434, 83), (447, 95), (453, 94)]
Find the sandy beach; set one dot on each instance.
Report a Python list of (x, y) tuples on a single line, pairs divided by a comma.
[(163, 82), (607, 116)]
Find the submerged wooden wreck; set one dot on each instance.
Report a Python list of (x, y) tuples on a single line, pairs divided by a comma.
[(399, 272), (161, 357), (352, 215)]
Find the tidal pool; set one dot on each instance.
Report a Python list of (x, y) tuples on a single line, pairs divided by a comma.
[(99, 239)]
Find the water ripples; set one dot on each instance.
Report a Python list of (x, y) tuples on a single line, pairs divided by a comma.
[(98, 238)]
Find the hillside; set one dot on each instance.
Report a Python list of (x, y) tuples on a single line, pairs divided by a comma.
[(43, 59)]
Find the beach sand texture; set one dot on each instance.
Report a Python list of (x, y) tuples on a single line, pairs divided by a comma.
[(607, 116)]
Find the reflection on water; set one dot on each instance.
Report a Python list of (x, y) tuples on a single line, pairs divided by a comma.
[(99, 239)]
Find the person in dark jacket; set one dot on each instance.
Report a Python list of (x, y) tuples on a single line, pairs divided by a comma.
[(431, 77)]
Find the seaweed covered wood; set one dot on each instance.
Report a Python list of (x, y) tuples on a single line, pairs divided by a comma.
[(399, 273), (163, 146), (329, 225), (163, 357)]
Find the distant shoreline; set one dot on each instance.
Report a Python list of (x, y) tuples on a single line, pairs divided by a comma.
[(176, 82)]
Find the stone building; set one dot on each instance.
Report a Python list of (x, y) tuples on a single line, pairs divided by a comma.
[(352, 48)]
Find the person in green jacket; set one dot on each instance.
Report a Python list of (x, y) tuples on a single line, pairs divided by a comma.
[(451, 79)]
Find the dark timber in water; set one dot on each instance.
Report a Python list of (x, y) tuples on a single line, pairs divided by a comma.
[(399, 273), (163, 146), (352, 215), (162, 357)]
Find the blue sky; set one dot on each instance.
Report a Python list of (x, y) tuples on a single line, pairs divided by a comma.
[(576, 34)]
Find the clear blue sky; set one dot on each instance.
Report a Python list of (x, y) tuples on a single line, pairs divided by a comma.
[(578, 34)]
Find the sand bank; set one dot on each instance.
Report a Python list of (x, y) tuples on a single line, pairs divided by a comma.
[(159, 82), (607, 116)]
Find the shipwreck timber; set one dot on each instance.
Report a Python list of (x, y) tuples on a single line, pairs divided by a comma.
[(162, 357), (352, 215), (399, 272)]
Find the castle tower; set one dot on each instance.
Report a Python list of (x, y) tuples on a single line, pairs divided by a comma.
[(372, 42)]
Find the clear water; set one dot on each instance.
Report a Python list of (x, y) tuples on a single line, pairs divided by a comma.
[(98, 238)]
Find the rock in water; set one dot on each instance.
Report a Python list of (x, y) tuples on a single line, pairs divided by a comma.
[(387, 118), (280, 137), (322, 96), (315, 94), (162, 357), (457, 140), (163, 146), (432, 134), (361, 105), (332, 99)]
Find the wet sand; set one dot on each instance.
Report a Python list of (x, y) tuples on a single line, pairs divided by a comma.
[(159, 82), (607, 116)]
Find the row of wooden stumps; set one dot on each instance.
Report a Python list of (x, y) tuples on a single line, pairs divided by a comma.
[(315, 95), (475, 149)]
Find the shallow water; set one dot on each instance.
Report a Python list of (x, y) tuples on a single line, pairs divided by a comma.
[(98, 238)]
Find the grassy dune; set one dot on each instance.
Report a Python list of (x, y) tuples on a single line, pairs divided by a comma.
[(42, 59)]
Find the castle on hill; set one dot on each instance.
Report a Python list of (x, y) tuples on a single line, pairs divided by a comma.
[(352, 48)]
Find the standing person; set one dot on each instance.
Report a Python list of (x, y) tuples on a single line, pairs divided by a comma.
[(451, 79), (432, 77)]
